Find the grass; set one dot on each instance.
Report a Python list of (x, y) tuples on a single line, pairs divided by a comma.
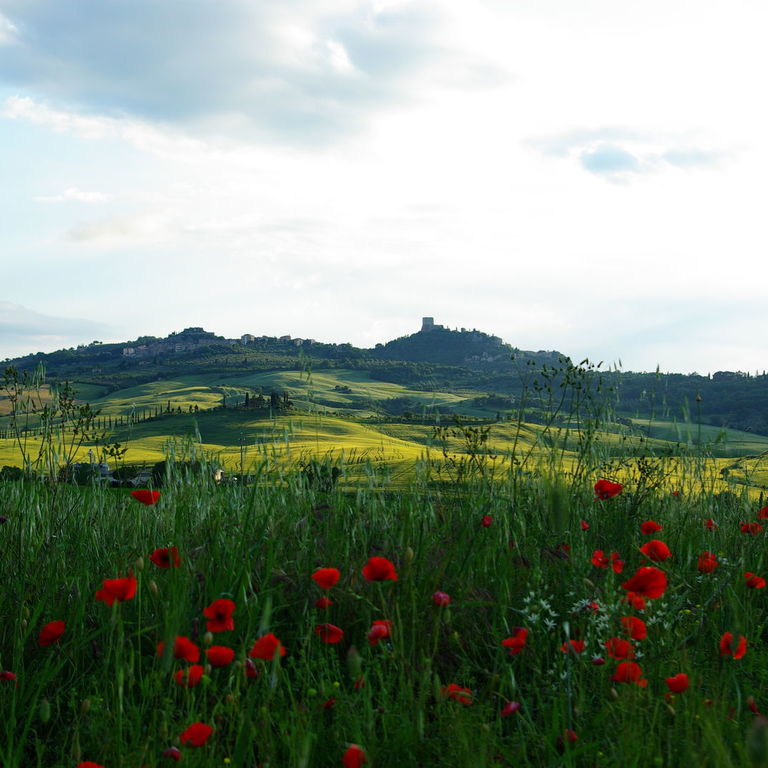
[(103, 694), (500, 517)]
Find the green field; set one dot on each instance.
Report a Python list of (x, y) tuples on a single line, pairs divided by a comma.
[(340, 414), (503, 640)]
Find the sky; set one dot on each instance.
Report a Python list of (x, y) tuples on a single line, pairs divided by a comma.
[(583, 177)]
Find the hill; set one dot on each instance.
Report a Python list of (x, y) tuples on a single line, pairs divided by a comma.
[(435, 372)]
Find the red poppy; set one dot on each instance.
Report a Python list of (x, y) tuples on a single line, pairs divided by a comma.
[(457, 693), (379, 569), (183, 648), (325, 578), (189, 677), (605, 489), (323, 603), (329, 703), (618, 648), (762, 513), (753, 528), (649, 527), (600, 560), (354, 757), (570, 736), (726, 646), (486, 521), (647, 582), (584, 525), (251, 670), (219, 655), (11, 676), (266, 647), (710, 524), (441, 599), (329, 633), (117, 590), (629, 672), (656, 550), (572, 646), (753, 581), (196, 735), (678, 683), (707, 562), (166, 557), (219, 615), (598, 661), (89, 764), (146, 497), (510, 707), (635, 600), (516, 643), (634, 627), (51, 633), (174, 753), (379, 631)]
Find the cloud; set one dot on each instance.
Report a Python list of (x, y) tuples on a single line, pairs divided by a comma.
[(609, 159), (74, 194), (692, 157), (8, 31), (620, 154), (303, 71), (22, 330)]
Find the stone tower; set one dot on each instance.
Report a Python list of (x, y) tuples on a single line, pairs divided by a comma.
[(427, 324)]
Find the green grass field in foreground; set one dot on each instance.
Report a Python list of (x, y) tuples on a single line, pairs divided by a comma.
[(506, 640)]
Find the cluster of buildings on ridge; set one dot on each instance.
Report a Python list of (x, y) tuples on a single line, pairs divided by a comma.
[(191, 339)]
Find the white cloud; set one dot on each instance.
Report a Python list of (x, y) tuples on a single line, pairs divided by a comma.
[(8, 31), (76, 195), (340, 172), (619, 154)]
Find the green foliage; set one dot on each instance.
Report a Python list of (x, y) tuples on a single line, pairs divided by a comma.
[(103, 693)]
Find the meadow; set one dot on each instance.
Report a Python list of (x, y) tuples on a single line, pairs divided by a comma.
[(384, 592), (482, 621)]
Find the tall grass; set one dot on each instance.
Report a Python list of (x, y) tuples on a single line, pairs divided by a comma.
[(103, 694), (510, 535)]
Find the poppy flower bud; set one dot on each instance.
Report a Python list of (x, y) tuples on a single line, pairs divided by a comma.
[(671, 710), (614, 693), (25, 612), (409, 555), (153, 587), (45, 710), (139, 564), (354, 662), (85, 705), (24, 623), (208, 638), (590, 584)]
